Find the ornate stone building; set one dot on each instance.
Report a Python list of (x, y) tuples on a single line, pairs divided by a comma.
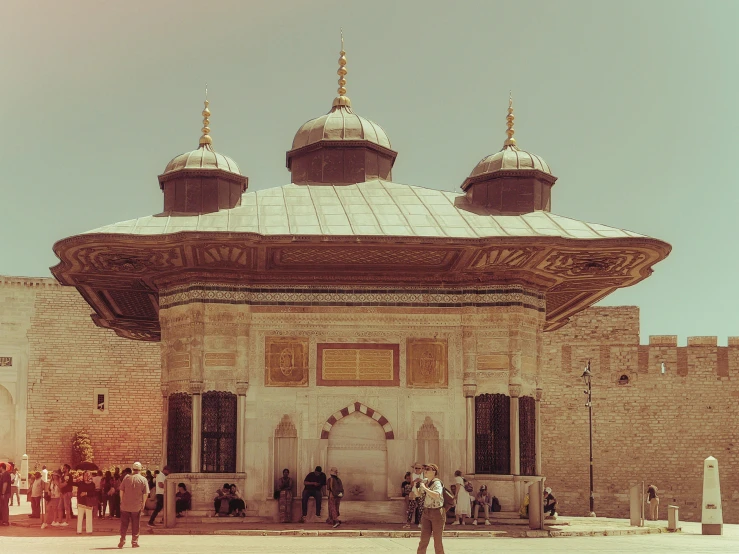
[(344, 319)]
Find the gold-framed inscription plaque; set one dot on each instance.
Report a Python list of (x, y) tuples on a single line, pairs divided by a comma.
[(343, 364), (427, 363), (286, 361)]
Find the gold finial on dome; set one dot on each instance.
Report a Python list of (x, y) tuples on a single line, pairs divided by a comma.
[(206, 139), (510, 141), (342, 99)]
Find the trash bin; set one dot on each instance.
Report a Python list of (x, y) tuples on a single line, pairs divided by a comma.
[(673, 520)]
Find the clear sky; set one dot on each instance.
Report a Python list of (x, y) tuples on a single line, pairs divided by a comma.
[(632, 104)]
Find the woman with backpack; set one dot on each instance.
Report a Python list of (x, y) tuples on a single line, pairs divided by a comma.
[(462, 509), (434, 513)]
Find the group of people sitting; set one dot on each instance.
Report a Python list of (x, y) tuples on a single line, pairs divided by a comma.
[(229, 502)]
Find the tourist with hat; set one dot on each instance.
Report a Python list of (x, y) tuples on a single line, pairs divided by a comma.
[(134, 489), (482, 498), (335, 489), (434, 514)]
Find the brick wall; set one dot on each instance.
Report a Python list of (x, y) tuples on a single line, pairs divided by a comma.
[(69, 357), (658, 428)]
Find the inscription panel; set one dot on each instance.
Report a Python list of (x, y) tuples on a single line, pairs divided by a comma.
[(286, 361), (220, 359), (342, 364), (427, 363)]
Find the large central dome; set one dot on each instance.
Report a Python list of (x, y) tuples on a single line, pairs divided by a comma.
[(340, 147)]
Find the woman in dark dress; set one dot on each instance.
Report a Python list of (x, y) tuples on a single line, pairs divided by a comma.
[(184, 499), (236, 505), (285, 490)]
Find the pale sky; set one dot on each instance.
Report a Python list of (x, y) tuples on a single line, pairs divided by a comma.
[(632, 104)]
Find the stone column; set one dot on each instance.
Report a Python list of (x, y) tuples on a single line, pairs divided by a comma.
[(242, 388), (514, 392), (537, 422), (165, 422), (196, 389), (469, 387)]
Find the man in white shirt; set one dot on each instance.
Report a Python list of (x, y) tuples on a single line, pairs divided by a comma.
[(15, 483), (44, 474), (160, 485)]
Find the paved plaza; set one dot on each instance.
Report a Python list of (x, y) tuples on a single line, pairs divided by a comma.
[(588, 535), (689, 540)]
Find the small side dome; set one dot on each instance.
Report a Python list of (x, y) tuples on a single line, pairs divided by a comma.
[(202, 181), (510, 158), (511, 181), (202, 158), (341, 123)]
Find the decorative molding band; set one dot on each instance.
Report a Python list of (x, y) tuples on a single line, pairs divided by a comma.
[(489, 296)]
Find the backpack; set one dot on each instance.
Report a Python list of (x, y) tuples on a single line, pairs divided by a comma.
[(449, 500), (496, 504)]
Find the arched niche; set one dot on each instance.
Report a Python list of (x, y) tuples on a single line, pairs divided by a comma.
[(286, 450), (427, 442)]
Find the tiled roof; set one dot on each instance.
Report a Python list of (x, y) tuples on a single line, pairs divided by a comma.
[(373, 208)]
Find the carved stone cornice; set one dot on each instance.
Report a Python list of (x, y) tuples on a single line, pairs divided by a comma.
[(121, 276)]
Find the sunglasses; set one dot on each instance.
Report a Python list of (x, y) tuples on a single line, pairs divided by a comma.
[(418, 467)]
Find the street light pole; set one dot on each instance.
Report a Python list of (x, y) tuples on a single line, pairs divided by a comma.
[(586, 377)]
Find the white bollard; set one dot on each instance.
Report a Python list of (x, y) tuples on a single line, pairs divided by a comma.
[(712, 519), (24, 474)]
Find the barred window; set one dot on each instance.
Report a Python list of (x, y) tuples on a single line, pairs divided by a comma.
[(219, 432), (527, 434), (179, 432), (492, 434)]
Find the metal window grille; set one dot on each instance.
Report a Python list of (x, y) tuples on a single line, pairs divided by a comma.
[(527, 434), (492, 434), (101, 402), (219, 432), (179, 432)]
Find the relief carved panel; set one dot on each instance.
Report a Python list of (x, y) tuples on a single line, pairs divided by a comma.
[(577, 263), (286, 361), (427, 363)]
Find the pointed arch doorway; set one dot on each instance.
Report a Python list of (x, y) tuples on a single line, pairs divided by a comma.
[(357, 447)]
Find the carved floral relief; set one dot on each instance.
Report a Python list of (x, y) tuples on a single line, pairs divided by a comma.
[(427, 363), (286, 361)]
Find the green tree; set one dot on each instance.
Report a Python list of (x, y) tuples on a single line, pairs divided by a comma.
[(81, 448)]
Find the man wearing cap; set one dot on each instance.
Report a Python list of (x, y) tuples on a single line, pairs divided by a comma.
[(312, 486), (134, 490), (482, 499)]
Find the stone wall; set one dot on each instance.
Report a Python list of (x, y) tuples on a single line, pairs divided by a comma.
[(62, 357), (648, 425)]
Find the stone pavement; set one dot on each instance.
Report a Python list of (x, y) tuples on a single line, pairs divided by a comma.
[(23, 526)]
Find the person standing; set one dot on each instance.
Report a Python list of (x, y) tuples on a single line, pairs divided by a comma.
[(133, 490), (415, 504), (86, 502), (97, 480), (15, 483), (115, 507), (335, 489), (653, 502), (67, 487), (161, 483), (313, 484), (462, 495), (434, 514), (44, 474), (52, 506), (37, 493), (285, 491), (4, 494)]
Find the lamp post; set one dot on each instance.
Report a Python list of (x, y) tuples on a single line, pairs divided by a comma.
[(586, 379)]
